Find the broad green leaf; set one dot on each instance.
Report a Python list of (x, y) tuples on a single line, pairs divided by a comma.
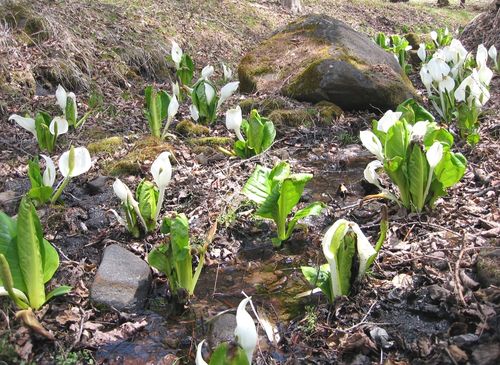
[(70, 112), (291, 191), (414, 112), (255, 133), (179, 237), (345, 256), (312, 209), (450, 169), (30, 251), (148, 93), (8, 247), (147, 196), (50, 261), (162, 103), (158, 259), (41, 194), (320, 278), (417, 176), (259, 185), (186, 70), (60, 290), (8, 287), (269, 135), (219, 355), (396, 141), (34, 173)]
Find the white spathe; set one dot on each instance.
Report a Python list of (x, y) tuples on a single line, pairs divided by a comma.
[(434, 35), (446, 84), (365, 249), (438, 68), (199, 357), (388, 120), (234, 120), (193, 110), (419, 129), (207, 72), (330, 249), (62, 126), (173, 107), (209, 92), (372, 144), (26, 123), (161, 169), (176, 54), (226, 91), (62, 99), (370, 173), (49, 175), (481, 55), (228, 73), (434, 154), (245, 331), (421, 53), (121, 191), (81, 162), (492, 52), (176, 90)]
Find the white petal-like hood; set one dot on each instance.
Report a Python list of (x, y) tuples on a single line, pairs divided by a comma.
[(245, 332), (81, 162), (161, 169), (62, 126), (49, 175), (26, 123)]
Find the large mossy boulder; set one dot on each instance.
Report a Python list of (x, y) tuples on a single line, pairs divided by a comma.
[(320, 58)]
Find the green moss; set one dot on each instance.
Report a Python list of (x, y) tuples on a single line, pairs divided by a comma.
[(210, 141), (263, 106), (413, 39), (107, 145), (328, 111), (146, 149), (19, 15), (188, 128), (292, 118), (305, 83), (246, 75)]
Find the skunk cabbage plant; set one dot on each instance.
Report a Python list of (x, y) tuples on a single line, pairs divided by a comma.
[(43, 127), (246, 337), (184, 65), (206, 101), (160, 105), (399, 46), (145, 207), (27, 262), (277, 192), (416, 155), (259, 131), (174, 258), (349, 255)]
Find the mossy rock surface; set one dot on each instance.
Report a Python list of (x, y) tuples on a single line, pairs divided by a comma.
[(320, 58), (211, 141), (414, 39), (264, 106), (32, 28), (144, 150), (189, 129), (107, 145), (317, 115)]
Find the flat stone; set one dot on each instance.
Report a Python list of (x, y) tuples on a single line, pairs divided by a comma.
[(488, 263), (222, 329), (122, 280)]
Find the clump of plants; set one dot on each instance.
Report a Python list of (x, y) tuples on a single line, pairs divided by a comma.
[(160, 106), (259, 132), (45, 128), (398, 46), (277, 191), (349, 256), (174, 258), (72, 163), (458, 86), (27, 263), (415, 154), (144, 209)]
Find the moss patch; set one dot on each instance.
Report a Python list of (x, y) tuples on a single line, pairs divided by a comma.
[(131, 164), (107, 145), (328, 110), (210, 141), (414, 40), (33, 28), (488, 269), (189, 129), (263, 106)]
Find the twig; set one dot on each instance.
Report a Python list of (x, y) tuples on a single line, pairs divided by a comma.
[(363, 321), (458, 283), (216, 277)]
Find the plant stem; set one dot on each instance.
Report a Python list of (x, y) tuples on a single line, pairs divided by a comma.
[(159, 204), (59, 191), (429, 180), (165, 130)]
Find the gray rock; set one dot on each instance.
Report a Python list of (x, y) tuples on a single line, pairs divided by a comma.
[(97, 185), (97, 219), (488, 263), (122, 280), (222, 329), (321, 58)]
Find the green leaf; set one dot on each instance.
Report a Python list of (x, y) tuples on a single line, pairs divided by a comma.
[(8, 247), (41, 194), (319, 277), (417, 179), (219, 355), (396, 141), (6, 278), (42, 122), (147, 196), (414, 112), (30, 249), (157, 258), (345, 255), (60, 290), (186, 70), (269, 135), (50, 261), (70, 112), (162, 102), (450, 169), (259, 184), (34, 173), (312, 209)]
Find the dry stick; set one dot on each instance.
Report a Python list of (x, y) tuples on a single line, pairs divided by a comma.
[(78, 337), (458, 284), (363, 321)]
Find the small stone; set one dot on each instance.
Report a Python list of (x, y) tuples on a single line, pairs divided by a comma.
[(97, 219), (122, 280), (97, 185), (8, 199), (465, 340), (222, 329), (488, 263), (438, 261)]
